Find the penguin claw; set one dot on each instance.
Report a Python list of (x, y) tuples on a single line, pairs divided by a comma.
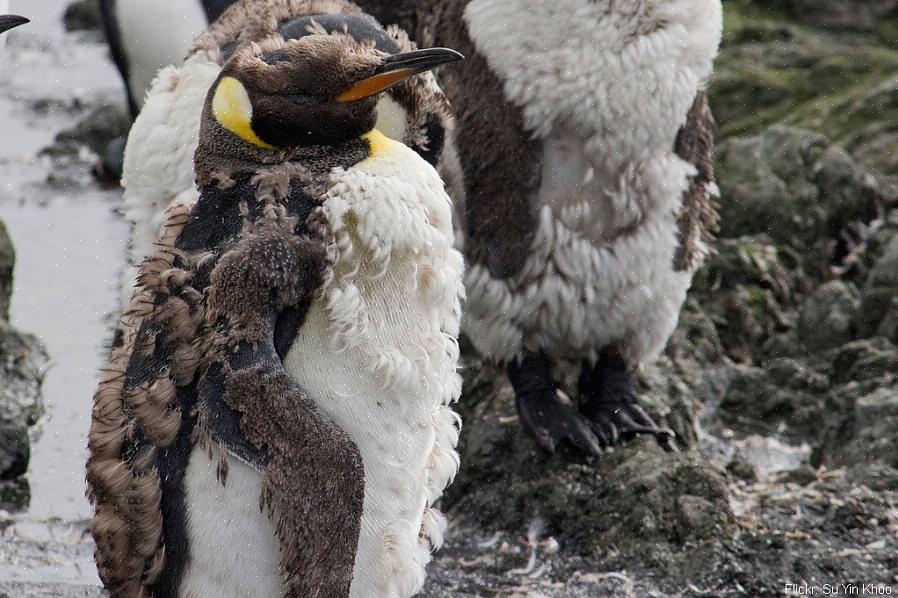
[(608, 401), (552, 423), (618, 424)]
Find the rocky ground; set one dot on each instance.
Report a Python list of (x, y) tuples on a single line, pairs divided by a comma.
[(781, 381), (22, 363)]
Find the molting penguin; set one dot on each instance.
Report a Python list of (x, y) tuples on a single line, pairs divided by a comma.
[(275, 420), (158, 167), (585, 139)]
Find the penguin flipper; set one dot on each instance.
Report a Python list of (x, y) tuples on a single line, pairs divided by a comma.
[(608, 400), (699, 219), (313, 479), (501, 160)]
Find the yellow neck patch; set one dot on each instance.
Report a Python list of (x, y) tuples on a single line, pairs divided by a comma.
[(234, 111), (379, 143)]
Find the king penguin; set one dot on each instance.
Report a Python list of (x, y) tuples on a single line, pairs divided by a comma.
[(585, 140), (275, 420), (158, 165)]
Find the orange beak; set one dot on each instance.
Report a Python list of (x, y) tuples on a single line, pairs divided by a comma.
[(397, 67)]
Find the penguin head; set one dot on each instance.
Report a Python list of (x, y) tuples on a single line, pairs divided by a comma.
[(7, 22), (315, 90)]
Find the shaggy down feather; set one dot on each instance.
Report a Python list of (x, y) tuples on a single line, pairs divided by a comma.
[(389, 316), (601, 268)]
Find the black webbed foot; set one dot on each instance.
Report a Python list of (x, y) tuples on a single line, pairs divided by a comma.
[(542, 413), (608, 400)]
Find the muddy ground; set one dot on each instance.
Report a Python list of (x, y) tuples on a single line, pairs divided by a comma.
[(781, 380)]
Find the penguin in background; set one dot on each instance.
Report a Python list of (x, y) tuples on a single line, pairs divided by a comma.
[(276, 419), (147, 36), (158, 165), (144, 37), (585, 140)]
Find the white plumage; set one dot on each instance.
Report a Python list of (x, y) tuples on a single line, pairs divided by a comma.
[(233, 550), (377, 352), (601, 269)]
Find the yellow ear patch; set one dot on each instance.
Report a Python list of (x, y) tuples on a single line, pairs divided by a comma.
[(234, 111)]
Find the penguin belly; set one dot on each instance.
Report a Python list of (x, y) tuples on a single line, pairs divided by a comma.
[(232, 548), (377, 354), (601, 267)]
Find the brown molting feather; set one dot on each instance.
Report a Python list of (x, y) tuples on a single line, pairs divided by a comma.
[(269, 261), (499, 159), (303, 454), (126, 495), (250, 20), (699, 219), (273, 183)]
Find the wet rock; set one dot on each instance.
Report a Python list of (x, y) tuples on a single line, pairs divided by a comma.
[(83, 15), (22, 363), (802, 476), (95, 131), (827, 316), (866, 434), (792, 185), (774, 69), (864, 363), (767, 183), (15, 449), (7, 262), (874, 475), (880, 293), (837, 15), (751, 291), (636, 494), (742, 469), (788, 391)]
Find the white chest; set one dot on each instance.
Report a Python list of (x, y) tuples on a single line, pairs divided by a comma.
[(377, 352), (233, 549)]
